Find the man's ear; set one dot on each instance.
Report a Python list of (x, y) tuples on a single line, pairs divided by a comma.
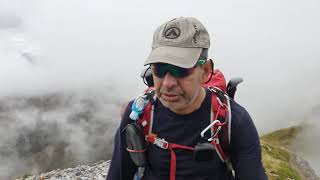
[(207, 70)]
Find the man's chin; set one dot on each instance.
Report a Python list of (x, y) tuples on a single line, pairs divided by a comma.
[(172, 105), (169, 103)]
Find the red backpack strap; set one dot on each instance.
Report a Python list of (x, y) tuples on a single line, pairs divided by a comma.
[(218, 114), (147, 121), (217, 80), (220, 110), (147, 118), (221, 126)]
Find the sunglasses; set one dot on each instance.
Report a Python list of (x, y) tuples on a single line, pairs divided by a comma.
[(161, 69)]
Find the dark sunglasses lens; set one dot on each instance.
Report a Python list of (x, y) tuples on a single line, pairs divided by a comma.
[(179, 72), (161, 70)]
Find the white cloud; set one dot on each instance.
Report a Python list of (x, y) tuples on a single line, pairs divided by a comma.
[(77, 44)]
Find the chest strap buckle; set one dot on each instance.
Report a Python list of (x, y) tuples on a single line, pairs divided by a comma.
[(161, 143)]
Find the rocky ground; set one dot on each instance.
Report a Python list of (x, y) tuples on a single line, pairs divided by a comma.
[(280, 163), (97, 171), (304, 169)]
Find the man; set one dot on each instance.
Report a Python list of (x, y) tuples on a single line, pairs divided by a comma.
[(182, 110)]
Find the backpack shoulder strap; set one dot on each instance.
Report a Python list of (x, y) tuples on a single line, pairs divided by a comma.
[(221, 131), (221, 113), (221, 110), (147, 117)]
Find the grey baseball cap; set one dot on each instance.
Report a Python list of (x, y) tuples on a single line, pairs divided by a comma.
[(179, 42)]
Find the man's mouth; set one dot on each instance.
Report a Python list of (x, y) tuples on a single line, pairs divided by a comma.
[(169, 97)]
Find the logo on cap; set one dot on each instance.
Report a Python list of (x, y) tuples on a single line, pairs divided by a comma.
[(172, 33)]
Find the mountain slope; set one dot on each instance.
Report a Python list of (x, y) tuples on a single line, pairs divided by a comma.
[(279, 161)]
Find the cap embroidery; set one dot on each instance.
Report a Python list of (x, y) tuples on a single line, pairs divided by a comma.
[(194, 36), (172, 33)]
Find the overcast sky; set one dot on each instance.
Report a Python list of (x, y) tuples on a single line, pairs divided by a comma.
[(272, 44)]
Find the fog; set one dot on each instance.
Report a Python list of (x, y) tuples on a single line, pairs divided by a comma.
[(98, 47)]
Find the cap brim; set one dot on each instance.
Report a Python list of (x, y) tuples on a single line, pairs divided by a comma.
[(178, 56)]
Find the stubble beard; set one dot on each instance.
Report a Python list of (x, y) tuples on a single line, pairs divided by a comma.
[(183, 103)]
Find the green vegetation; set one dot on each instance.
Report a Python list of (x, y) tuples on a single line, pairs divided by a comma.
[(282, 137), (276, 157)]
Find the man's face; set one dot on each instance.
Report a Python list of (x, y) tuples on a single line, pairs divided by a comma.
[(180, 94)]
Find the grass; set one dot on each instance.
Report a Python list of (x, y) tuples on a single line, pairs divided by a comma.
[(276, 161), (282, 137), (276, 158)]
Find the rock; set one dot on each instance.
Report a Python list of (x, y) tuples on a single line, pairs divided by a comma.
[(304, 168), (97, 171)]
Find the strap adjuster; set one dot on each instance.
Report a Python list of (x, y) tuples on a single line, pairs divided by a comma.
[(161, 143)]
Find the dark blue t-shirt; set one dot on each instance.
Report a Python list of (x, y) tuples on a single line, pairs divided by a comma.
[(185, 130)]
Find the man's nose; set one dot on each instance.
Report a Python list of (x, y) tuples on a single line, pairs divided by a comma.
[(169, 80)]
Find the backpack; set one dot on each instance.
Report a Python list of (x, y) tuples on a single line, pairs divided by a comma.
[(220, 125)]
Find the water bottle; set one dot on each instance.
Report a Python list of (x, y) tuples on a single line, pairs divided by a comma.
[(138, 106)]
